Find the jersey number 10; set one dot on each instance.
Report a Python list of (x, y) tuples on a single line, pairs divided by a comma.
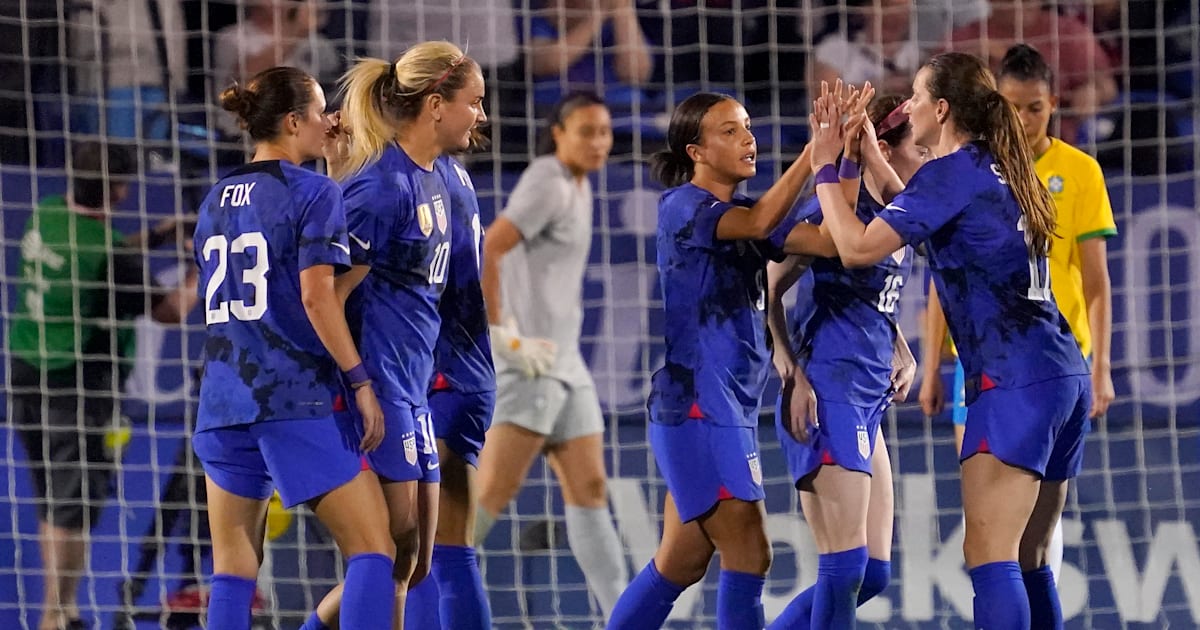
[(1039, 269), (255, 276)]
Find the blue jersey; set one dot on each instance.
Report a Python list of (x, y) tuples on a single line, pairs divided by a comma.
[(258, 228), (399, 226), (713, 292), (846, 329), (994, 289), (463, 354)]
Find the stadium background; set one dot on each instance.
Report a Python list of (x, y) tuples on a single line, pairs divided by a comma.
[(1132, 556)]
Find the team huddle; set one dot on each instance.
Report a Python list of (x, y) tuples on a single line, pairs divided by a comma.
[(352, 324)]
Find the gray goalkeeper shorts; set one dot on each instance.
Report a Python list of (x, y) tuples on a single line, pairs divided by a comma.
[(548, 406)]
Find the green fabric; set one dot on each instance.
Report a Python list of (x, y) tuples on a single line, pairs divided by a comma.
[(64, 285), (1106, 232)]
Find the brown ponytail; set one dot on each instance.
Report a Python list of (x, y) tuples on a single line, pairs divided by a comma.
[(978, 109)]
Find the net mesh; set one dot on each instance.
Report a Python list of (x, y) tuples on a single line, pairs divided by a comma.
[(148, 71)]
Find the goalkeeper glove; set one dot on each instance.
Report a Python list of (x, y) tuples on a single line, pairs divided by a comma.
[(531, 355)]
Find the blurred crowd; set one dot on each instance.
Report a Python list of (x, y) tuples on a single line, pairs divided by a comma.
[(150, 70)]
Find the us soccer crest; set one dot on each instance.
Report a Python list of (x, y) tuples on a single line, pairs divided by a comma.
[(864, 442), (1055, 184), (410, 448), (755, 468), (439, 212), (425, 219)]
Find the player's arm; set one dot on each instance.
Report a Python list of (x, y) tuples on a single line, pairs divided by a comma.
[(530, 355), (1097, 294), (346, 283), (806, 239), (134, 293), (932, 394), (797, 398), (501, 237), (757, 222), (904, 367), (780, 277)]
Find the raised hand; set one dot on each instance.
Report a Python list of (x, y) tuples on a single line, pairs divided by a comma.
[(826, 125)]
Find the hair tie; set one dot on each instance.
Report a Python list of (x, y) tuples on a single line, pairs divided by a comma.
[(453, 64), (894, 119)]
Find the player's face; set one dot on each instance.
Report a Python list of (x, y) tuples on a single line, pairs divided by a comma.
[(1034, 105), (726, 144), (310, 126), (461, 114), (907, 158), (583, 140), (922, 111)]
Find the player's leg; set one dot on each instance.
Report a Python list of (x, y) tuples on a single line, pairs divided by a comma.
[(835, 502), (238, 526), (576, 454), (238, 486), (398, 466), (455, 597), (428, 489), (681, 560), (881, 515), (737, 529), (1038, 541), (526, 409), (462, 601), (352, 513), (1045, 609)]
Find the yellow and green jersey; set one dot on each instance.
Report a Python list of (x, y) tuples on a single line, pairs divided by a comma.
[(1077, 185)]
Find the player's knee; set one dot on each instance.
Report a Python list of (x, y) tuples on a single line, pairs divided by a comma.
[(591, 492), (681, 569)]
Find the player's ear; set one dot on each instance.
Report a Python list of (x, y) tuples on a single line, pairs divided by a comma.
[(885, 149), (695, 152), (1053, 100), (942, 111), (434, 103)]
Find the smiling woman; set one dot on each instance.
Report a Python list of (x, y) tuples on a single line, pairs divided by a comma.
[(401, 117)]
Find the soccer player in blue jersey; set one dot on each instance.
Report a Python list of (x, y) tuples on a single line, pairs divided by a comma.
[(846, 353), (461, 400), (269, 239), (986, 223), (401, 117), (713, 247)]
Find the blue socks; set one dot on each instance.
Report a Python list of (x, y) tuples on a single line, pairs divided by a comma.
[(1045, 610), (798, 614), (314, 623), (875, 580), (739, 601), (463, 604), (369, 596), (839, 579), (1000, 599), (421, 605), (647, 601), (229, 602)]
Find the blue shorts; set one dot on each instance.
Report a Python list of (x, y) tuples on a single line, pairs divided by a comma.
[(844, 437), (409, 449), (250, 460), (959, 410), (462, 420), (703, 463), (1039, 427)]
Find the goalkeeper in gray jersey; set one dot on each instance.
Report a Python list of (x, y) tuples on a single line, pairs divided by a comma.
[(534, 257)]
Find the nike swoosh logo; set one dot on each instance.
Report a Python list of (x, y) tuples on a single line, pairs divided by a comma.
[(432, 466), (345, 248), (361, 243), (890, 206)]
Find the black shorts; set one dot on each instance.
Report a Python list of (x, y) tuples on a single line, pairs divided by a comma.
[(62, 427)]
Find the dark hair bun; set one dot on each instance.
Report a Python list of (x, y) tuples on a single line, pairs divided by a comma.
[(239, 102)]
